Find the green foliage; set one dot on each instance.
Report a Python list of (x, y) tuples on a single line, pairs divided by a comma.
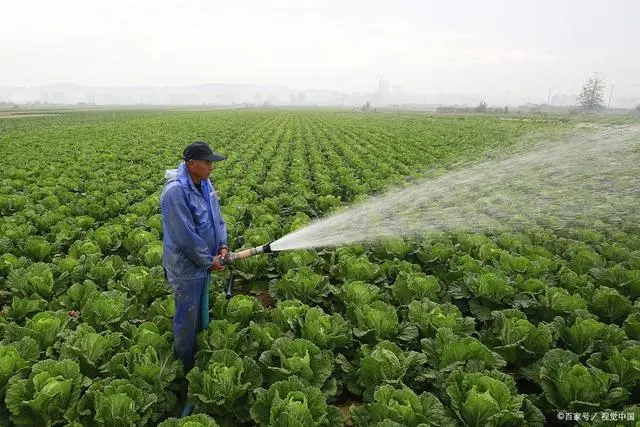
[(591, 97), (302, 284), (292, 403), (198, 420), (431, 330), (297, 357), (480, 399), (224, 388), (402, 406), (47, 395), (569, 384)]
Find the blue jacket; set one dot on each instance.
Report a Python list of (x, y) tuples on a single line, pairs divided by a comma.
[(192, 224)]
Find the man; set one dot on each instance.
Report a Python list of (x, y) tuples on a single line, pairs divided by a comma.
[(194, 241)]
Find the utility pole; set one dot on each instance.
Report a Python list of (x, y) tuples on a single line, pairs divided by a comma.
[(610, 95), (549, 97)]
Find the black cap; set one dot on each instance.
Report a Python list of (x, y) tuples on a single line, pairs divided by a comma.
[(200, 150)]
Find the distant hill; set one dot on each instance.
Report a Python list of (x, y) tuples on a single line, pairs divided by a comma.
[(213, 93)]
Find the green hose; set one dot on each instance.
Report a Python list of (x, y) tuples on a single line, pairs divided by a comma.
[(204, 304), (204, 324)]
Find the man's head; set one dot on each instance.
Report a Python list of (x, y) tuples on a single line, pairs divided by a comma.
[(199, 159)]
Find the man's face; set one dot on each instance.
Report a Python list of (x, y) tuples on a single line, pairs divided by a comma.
[(200, 169)]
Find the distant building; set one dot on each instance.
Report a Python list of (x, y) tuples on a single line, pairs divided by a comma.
[(564, 100), (384, 87)]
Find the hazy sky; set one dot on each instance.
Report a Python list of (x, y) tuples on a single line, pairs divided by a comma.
[(489, 47)]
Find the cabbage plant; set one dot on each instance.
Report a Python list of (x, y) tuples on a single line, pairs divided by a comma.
[(292, 403), (224, 388)]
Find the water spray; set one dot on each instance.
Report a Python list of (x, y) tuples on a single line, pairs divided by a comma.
[(571, 181)]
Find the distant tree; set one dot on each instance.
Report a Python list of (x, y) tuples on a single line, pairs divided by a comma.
[(591, 96), (482, 107), (638, 108)]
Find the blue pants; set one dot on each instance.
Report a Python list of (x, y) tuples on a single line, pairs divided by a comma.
[(192, 316)]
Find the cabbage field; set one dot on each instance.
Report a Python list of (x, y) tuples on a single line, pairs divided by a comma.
[(533, 327)]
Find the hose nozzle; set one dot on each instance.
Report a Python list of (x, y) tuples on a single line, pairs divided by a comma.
[(246, 253)]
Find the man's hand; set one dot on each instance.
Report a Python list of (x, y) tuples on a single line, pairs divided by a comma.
[(223, 253), (216, 264)]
